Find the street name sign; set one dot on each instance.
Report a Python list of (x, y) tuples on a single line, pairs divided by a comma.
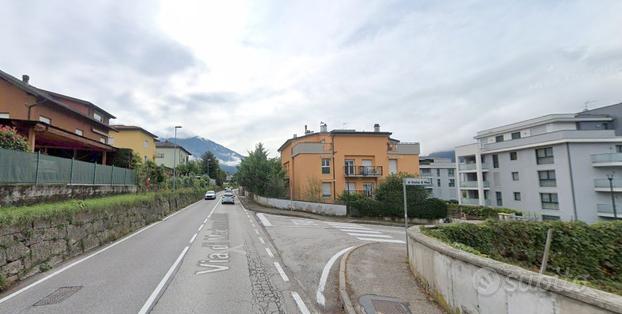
[(417, 181)]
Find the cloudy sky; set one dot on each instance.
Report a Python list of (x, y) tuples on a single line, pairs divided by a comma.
[(242, 72)]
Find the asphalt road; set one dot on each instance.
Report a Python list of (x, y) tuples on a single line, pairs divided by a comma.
[(206, 258)]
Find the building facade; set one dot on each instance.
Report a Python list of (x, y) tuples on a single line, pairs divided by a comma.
[(321, 166), (442, 174), (139, 140), (551, 167), (170, 155), (53, 123)]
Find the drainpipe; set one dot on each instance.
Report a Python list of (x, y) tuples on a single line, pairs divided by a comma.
[(574, 202)]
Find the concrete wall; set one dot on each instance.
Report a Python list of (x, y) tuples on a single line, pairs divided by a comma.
[(30, 194), (467, 283), (318, 208), (30, 247)]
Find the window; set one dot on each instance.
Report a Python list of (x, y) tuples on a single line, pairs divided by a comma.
[(368, 189), (392, 166), (97, 117), (5, 115), (499, 138), (438, 172), (547, 178), (426, 172), (544, 155), (499, 198), (513, 156), (549, 200), (103, 140), (79, 132), (349, 167), (45, 120), (350, 186), (618, 148), (515, 135), (325, 166), (160, 155), (146, 144), (550, 217), (495, 161), (326, 189), (517, 196), (452, 183), (450, 172), (515, 176), (438, 182)]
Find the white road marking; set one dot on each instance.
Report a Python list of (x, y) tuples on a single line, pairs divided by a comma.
[(257, 231), (261, 240), (382, 240), (147, 306), (18, 292), (264, 220), (269, 252), (353, 228), (193, 237), (211, 212), (205, 221), (281, 272), (370, 235), (360, 231), (319, 295), (201, 227), (301, 305)]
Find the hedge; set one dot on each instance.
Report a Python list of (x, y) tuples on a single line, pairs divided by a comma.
[(361, 206), (479, 212), (589, 254)]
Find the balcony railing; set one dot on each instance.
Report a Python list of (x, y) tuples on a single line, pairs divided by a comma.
[(607, 158), (473, 184), (472, 166), (475, 201), (604, 184), (606, 210), (363, 171)]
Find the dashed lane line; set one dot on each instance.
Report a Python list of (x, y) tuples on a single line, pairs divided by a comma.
[(281, 272), (261, 240), (301, 305), (269, 252), (152, 298), (193, 237)]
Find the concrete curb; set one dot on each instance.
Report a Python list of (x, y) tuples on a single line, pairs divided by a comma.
[(344, 296)]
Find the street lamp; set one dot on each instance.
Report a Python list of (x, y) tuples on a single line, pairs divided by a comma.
[(175, 158), (613, 199)]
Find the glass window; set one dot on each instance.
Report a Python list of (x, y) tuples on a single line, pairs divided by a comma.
[(97, 117), (438, 172), (450, 172), (517, 196), (618, 148), (325, 166), (368, 189), (515, 176), (438, 182), (146, 144), (350, 186), (326, 189), (5, 115), (103, 140), (549, 200), (547, 178), (499, 138), (495, 161), (550, 217), (544, 155), (515, 135), (452, 183), (79, 132), (499, 198), (45, 120), (392, 166), (513, 155), (426, 172)]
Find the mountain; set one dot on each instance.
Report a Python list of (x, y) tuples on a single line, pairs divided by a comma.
[(444, 154), (198, 145)]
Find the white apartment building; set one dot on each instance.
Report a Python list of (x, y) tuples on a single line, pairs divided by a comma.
[(553, 167), (442, 174)]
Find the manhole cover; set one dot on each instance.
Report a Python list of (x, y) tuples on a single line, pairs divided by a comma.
[(375, 304), (59, 295)]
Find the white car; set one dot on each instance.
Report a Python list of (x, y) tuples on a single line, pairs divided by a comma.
[(210, 195)]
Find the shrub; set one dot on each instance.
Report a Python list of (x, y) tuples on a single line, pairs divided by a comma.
[(10, 139), (431, 208), (479, 212), (361, 206), (578, 250)]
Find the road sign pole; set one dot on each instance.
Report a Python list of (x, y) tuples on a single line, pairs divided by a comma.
[(405, 216)]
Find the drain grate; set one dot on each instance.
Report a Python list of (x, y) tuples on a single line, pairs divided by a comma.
[(59, 295), (383, 305)]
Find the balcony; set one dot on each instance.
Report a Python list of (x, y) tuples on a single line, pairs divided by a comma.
[(311, 148), (363, 171), (602, 185), (473, 184), (555, 136), (475, 201), (607, 160), (472, 167), (606, 210)]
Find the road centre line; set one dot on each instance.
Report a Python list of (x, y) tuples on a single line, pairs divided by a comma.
[(261, 240), (370, 235), (264, 220), (205, 221), (104, 249), (269, 252), (382, 240), (200, 227), (319, 295), (301, 304), (281, 272), (149, 303), (193, 237)]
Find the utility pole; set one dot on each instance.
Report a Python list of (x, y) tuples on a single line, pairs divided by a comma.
[(175, 159), (613, 198)]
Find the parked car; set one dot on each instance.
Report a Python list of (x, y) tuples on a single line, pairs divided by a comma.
[(210, 195), (228, 199)]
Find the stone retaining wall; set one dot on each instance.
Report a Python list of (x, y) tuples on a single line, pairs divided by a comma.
[(467, 283), (317, 208), (36, 246), (22, 194)]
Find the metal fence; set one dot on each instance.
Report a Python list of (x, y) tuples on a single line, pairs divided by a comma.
[(18, 167)]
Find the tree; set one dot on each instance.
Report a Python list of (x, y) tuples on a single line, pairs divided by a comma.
[(210, 164), (260, 174), (10, 139), (390, 193)]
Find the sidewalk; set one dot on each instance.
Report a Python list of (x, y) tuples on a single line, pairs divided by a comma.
[(378, 280)]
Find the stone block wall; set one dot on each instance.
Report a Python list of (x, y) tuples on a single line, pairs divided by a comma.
[(22, 194)]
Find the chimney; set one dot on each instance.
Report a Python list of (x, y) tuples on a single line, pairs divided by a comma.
[(25, 78), (323, 127), (306, 129), (295, 135), (376, 127)]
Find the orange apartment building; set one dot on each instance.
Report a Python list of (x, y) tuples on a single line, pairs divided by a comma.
[(329, 163), (55, 124)]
